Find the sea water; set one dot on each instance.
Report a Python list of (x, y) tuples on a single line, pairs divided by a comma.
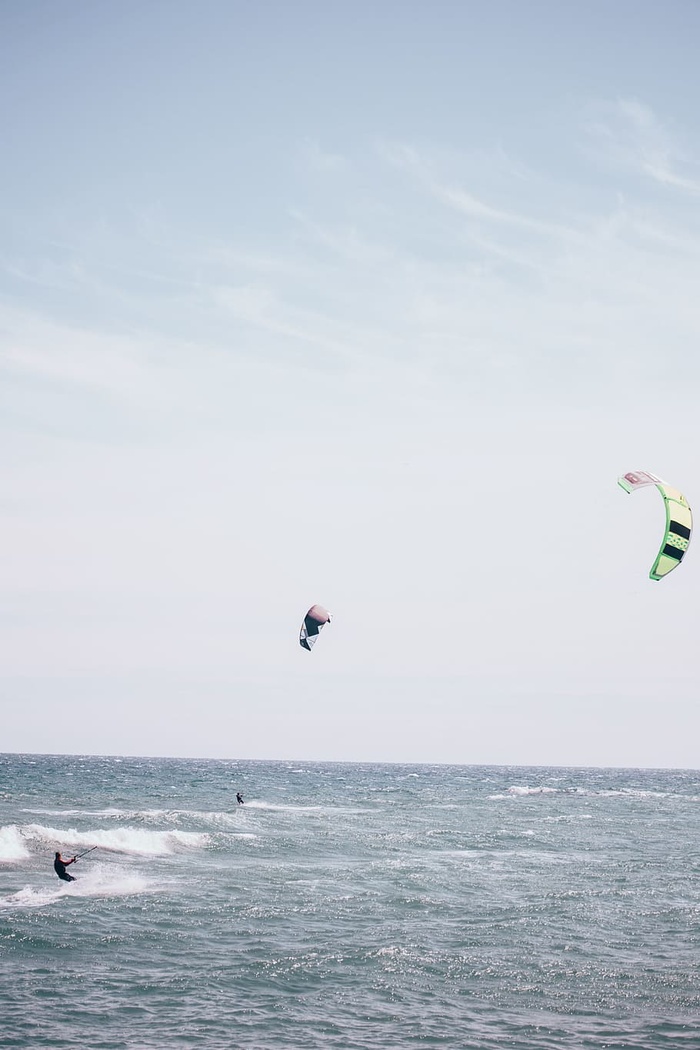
[(347, 906)]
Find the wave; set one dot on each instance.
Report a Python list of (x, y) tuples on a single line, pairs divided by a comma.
[(119, 840), (519, 792), (583, 792), (214, 820), (12, 845), (634, 793), (219, 818), (138, 814), (111, 811), (287, 808)]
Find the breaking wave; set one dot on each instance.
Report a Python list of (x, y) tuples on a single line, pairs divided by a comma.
[(139, 841), (520, 792), (12, 845)]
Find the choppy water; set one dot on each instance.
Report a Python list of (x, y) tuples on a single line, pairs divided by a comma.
[(347, 906)]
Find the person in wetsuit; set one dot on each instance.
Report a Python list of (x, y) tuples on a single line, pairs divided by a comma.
[(239, 798), (60, 865)]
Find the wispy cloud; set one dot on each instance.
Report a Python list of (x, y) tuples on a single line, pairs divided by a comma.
[(467, 204), (315, 158), (48, 351), (632, 135), (432, 171), (441, 271)]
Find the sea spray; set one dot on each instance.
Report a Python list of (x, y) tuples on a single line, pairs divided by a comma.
[(12, 845)]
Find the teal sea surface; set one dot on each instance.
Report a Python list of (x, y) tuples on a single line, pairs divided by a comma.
[(354, 906)]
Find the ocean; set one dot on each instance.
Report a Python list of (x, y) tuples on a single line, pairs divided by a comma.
[(347, 906)]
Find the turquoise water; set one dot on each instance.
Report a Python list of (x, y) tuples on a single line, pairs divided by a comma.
[(347, 906)]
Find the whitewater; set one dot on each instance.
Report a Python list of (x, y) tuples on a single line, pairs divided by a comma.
[(347, 906)]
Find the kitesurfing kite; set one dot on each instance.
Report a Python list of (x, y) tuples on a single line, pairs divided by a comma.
[(314, 620), (679, 520)]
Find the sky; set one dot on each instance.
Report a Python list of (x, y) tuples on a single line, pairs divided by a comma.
[(360, 304)]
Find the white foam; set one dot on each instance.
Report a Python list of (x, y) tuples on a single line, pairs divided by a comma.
[(391, 950), (144, 815), (120, 840), (518, 792), (99, 882), (111, 812), (279, 808), (12, 845), (217, 820)]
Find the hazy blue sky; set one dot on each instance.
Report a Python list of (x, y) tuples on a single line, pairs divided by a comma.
[(365, 304)]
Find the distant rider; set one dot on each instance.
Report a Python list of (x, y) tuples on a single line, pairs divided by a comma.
[(239, 798), (60, 865)]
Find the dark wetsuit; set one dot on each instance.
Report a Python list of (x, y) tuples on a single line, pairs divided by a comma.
[(60, 869), (239, 798)]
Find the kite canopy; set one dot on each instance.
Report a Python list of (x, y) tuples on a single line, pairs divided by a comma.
[(314, 620), (679, 520)]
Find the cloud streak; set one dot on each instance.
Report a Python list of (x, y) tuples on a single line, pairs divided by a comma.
[(632, 136)]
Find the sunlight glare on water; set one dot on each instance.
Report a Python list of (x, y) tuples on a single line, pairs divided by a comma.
[(348, 906)]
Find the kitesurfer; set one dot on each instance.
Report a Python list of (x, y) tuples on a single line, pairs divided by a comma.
[(60, 865), (239, 798)]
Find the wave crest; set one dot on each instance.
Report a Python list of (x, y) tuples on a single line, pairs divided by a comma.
[(140, 841), (12, 845)]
